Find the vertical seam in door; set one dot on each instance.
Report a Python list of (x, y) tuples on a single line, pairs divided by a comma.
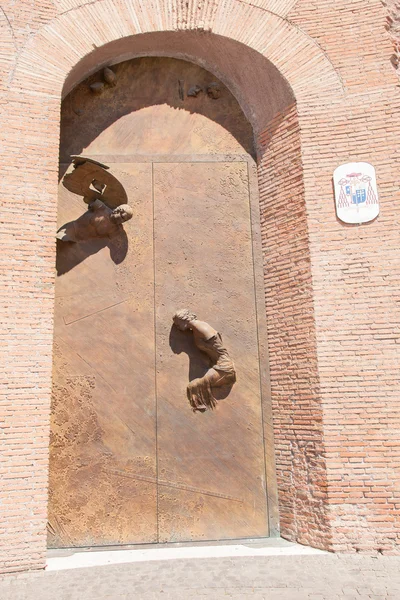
[(258, 346), (155, 346)]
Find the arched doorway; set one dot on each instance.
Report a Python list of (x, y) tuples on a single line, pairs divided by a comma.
[(130, 462)]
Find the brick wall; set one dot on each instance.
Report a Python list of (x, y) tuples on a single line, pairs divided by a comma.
[(393, 28), (296, 398), (357, 327), (332, 290)]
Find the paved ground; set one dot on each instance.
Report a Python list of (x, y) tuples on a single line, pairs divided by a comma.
[(288, 577)]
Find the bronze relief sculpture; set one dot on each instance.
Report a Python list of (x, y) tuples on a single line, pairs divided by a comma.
[(106, 199), (99, 221), (222, 372)]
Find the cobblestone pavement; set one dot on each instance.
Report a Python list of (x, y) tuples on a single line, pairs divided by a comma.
[(321, 577)]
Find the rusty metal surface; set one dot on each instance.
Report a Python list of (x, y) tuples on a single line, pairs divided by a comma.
[(103, 446), (211, 464)]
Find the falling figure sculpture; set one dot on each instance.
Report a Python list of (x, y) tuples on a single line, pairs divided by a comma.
[(99, 221), (100, 190), (222, 371)]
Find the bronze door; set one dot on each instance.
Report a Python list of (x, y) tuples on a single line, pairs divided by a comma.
[(130, 462)]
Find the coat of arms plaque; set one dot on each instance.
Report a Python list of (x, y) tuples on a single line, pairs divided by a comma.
[(356, 193)]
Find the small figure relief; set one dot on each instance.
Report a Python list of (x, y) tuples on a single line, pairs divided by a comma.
[(97, 87), (222, 371), (110, 77), (214, 91), (110, 80), (99, 221), (194, 91)]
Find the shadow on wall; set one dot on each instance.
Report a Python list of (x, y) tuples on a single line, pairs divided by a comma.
[(71, 254), (256, 83), (142, 83)]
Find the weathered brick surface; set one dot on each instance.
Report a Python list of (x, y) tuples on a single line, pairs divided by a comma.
[(357, 327), (332, 290), (297, 410), (393, 27)]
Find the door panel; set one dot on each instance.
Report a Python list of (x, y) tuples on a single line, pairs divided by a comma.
[(103, 452), (210, 465), (130, 462)]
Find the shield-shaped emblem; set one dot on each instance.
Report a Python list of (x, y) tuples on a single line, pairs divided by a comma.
[(356, 193)]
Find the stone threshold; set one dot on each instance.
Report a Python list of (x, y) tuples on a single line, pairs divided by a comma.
[(78, 558)]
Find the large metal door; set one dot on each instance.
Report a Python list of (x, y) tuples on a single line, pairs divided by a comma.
[(130, 462)]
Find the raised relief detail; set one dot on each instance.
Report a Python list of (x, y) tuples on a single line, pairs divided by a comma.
[(214, 91), (105, 197), (110, 77), (110, 80), (194, 91), (97, 87), (222, 371), (99, 221)]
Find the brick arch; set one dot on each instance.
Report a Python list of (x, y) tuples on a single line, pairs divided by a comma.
[(270, 104), (48, 57), (290, 62), (257, 84)]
